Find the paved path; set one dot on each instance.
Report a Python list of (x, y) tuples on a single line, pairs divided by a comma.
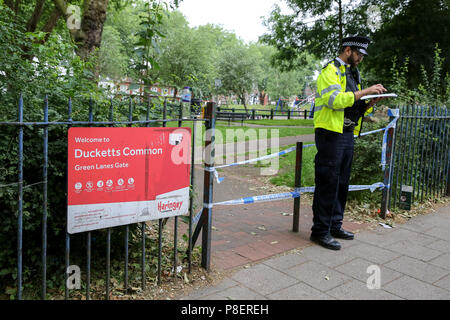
[(254, 147), (413, 260)]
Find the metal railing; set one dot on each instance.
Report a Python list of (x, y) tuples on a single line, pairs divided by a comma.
[(47, 124), (417, 154), (421, 154), (260, 114)]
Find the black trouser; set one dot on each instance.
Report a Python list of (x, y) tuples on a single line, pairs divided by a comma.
[(333, 164)]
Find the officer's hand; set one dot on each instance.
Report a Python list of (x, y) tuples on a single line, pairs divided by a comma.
[(376, 89)]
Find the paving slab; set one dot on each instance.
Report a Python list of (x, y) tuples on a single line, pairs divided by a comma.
[(286, 261), (238, 293), (358, 268), (439, 232), (443, 261), (299, 291), (440, 245), (318, 276), (263, 279), (414, 250), (327, 257), (372, 253), (412, 289), (444, 283), (358, 290), (417, 269)]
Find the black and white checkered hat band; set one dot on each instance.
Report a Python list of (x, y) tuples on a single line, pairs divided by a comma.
[(355, 44)]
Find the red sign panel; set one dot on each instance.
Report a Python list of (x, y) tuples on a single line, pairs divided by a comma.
[(120, 176)]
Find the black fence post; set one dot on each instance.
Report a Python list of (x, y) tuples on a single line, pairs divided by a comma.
[(271, 114), (45, 203), (297, 185), (206, 223), (388, 170), (20, 204)]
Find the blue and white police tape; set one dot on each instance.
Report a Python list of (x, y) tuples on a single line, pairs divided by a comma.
[(295, 194), (273, 155), (392, 113), (281, 196), (370, 132), (197, 217)]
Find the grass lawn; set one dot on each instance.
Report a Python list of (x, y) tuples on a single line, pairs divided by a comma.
[(286, 173), (243, 133)]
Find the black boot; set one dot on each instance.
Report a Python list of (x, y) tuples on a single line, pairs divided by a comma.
[(326, 241)]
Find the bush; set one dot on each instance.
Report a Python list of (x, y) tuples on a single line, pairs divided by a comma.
[(35, 70), (366, 168), (434, 89)]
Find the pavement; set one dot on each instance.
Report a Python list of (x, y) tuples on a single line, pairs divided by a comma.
[(412, 261)]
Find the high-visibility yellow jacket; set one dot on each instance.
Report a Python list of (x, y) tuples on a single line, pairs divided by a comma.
[(332, 98)]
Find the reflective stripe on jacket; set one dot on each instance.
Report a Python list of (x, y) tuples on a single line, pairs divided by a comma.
[(332, 98)]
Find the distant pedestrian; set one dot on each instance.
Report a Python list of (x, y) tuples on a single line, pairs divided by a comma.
[(338, 114)]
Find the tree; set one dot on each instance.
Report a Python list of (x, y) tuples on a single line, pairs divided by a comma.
[(183, 56), (237, 70), (315, 27), (83, 20), (318, 26), (277, 83), (411, 33), (112, 55)]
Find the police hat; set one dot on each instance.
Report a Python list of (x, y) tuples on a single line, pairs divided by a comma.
[(359, 42)]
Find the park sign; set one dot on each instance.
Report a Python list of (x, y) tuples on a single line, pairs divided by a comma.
[(120, 176)]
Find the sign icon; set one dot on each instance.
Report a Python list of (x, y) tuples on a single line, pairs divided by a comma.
[(120, 182), (78, 185), (109, 183), (100, 183), (89, 185), (130, 181)]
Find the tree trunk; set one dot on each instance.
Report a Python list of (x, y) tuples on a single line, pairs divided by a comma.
[(38, 9), (242, 97), (262, 98), (89, 37)]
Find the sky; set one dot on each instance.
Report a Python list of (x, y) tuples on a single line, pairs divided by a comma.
[(243, 17)]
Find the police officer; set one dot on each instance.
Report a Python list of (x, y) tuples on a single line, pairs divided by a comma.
[(338, 116)]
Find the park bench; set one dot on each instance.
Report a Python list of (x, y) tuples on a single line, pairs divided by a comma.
[(232, 116)]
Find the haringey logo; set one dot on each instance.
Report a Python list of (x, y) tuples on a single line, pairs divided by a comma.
[(169, 206)]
